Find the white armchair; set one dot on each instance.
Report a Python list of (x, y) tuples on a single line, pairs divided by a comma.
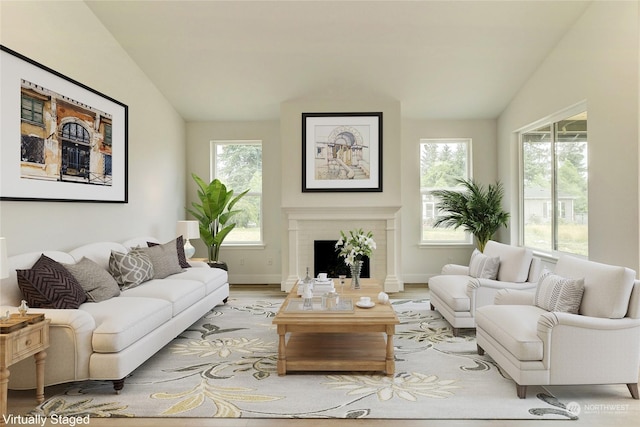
[(459, 290), (598, 345)]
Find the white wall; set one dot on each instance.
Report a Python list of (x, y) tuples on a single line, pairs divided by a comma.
[(247, 264), (68, 38), (596, 61), (420, 263)]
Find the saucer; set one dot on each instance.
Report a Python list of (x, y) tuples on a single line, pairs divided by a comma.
[(363, 305)]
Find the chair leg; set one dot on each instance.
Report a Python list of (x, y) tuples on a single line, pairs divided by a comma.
[(521, 390), (118, 385), (455, 331), (480, 350), (432, 307), (633, 389)]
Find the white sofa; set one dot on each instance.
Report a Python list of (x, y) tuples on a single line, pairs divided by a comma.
[(109, 339), (459, 290), (591, 337)]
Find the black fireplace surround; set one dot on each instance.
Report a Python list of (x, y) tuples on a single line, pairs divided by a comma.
[(327, 260)]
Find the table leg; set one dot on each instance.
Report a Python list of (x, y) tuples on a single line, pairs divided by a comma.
[(282, 354), (390, 358), (4, 386), (40, 356)]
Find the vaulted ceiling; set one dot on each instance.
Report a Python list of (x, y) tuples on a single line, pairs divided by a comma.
[(239, 60)]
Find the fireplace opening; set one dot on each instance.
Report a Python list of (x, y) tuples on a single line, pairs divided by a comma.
[(327, 260)]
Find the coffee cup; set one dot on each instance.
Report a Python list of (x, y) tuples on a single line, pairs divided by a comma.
[(322, 276), (365, 300)]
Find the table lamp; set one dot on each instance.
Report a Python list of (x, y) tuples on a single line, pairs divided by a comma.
[(189, 230)]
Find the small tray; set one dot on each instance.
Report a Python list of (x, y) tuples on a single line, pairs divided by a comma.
[(296, 306), (17, 321)]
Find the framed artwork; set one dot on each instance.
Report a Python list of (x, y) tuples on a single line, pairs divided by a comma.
[(59, 139), (341, 152)]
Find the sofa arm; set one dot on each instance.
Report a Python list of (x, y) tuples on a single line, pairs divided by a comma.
[(514, 297), (455, 269), (197, 264), (593, 350), (69, 352)]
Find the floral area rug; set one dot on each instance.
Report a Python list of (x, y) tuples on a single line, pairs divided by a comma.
[(225, 366)]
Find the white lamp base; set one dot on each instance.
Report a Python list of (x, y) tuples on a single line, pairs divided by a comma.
[(189, 250)]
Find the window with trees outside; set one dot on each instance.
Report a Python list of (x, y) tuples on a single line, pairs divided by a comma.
[(554, 201), (238, 164), (442, 162)]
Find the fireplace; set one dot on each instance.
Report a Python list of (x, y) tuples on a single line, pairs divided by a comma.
[(327, 260), (305, 225)]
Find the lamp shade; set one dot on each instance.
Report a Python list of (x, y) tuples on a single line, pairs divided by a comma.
[(189, 229), (4, 259)]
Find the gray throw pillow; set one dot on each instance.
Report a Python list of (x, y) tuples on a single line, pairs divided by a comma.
[(97, 283), (164, 258), (130, 269), (556, 293), (482, 266)]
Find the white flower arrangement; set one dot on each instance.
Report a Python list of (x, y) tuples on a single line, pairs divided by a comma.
[(358, 245)]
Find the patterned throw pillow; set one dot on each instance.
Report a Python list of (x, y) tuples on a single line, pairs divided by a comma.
[(95, 280), (164, 258), (556, 293), (49, 285), (182, 258), (130, 269), (483, 267)]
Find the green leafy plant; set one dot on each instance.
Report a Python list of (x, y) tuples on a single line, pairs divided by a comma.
[(477, 209), (214, 213)]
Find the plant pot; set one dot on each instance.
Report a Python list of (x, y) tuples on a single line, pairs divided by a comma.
[(218, 264)]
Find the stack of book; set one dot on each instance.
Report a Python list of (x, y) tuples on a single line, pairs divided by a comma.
[(322, 286)]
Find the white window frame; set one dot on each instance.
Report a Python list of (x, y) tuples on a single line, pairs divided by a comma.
[(550, 120), (213, 144), (468, 240)]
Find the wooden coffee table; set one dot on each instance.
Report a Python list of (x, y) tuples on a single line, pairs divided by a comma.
[(337, 341)]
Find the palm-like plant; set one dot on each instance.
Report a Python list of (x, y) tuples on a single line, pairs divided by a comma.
[(214, 212), (478, 210)]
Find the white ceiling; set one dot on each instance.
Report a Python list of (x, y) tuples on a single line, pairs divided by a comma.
[(239, 60)]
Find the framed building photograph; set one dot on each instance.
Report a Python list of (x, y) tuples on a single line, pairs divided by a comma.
[(59, 139), (341, 152)]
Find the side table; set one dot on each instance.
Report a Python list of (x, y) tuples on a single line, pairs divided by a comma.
[(32, 340)]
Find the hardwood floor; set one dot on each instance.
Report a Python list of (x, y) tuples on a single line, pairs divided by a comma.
[(622, 413)]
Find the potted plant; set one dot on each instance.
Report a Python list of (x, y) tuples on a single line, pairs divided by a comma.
[(213, 213), (477, 209)]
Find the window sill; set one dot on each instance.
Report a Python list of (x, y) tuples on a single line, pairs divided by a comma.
[(253, 245)]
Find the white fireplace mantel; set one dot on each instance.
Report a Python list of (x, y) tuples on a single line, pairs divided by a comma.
[(306, 224)]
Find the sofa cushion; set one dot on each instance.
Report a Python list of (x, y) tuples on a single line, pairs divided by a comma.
[(182, 294), (607, 288), (136, 318), (182, 258), (557, 293), (49, 285), (164, 259), (482, 266), (130, 269), (514, 261), (452, 290), (97, 283), (213, 278), (513, 326)]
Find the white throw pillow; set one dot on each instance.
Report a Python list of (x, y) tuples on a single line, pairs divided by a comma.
[(557, 293), (482, 266)]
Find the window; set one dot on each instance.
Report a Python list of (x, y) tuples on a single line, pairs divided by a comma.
[(238, 164), (31, 110), (554, 184), (442, 161)]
